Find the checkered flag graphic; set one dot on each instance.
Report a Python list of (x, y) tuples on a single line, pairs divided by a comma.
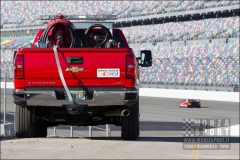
[(188, 127)]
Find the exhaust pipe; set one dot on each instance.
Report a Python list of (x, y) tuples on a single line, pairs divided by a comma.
[(119, 112)]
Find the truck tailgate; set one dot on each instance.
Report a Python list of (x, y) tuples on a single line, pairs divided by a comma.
[(93, 67)]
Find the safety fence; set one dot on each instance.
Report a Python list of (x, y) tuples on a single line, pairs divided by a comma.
[(206, 73)]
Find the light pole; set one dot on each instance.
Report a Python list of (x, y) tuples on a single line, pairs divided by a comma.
[(214, 71), (173, 72), (193, 73), (236, 65), (183, 68), (204, 72), (226, 65), (164, 71)]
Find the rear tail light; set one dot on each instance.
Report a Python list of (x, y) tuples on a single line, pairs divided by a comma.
[(19, 67), (131, 72)]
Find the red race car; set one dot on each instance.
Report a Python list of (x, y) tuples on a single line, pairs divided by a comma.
[(190, 103)]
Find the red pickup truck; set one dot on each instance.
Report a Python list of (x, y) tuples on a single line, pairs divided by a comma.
[(79, 74)]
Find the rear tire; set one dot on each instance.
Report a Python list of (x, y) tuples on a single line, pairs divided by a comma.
[(26, 126), (130, 124)]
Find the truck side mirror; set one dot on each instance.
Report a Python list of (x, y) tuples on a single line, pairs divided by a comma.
[(146, 58)]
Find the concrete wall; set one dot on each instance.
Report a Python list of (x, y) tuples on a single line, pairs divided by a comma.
[(190, 94), (172, 93)]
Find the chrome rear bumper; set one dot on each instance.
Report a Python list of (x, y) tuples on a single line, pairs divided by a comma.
[(99, 98)]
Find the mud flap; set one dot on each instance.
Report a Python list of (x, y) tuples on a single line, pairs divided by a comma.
[(73, 108)]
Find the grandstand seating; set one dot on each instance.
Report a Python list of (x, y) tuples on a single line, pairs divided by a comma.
[(20, 12), (201, 29), (214, 63), (16, 42)]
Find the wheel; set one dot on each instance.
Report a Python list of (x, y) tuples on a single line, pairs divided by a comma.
[(130, 124), (23, 127), (26, 126)]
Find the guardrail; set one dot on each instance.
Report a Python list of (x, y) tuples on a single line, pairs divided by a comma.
[(7, 129), (108, 131), (203, 73), (4, 99), (180, 86)]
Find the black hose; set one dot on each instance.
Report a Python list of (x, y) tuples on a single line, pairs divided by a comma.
[(43, 37), (74, 43), (86, 36)]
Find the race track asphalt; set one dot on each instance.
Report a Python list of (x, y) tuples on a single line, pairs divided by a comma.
[(161, 132)]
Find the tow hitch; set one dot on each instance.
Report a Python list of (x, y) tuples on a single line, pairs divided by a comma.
[(74, 108)]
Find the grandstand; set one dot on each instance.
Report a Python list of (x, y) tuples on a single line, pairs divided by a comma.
[(25, 12), (189, 49)]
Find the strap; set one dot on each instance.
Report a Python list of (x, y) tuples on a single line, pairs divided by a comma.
[(61, 76)]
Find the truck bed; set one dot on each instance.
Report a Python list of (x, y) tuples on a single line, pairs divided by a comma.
[(98, 67)]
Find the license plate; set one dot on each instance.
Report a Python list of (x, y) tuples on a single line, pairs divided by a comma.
[(113, 72), (76, 95), (189, 103)]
